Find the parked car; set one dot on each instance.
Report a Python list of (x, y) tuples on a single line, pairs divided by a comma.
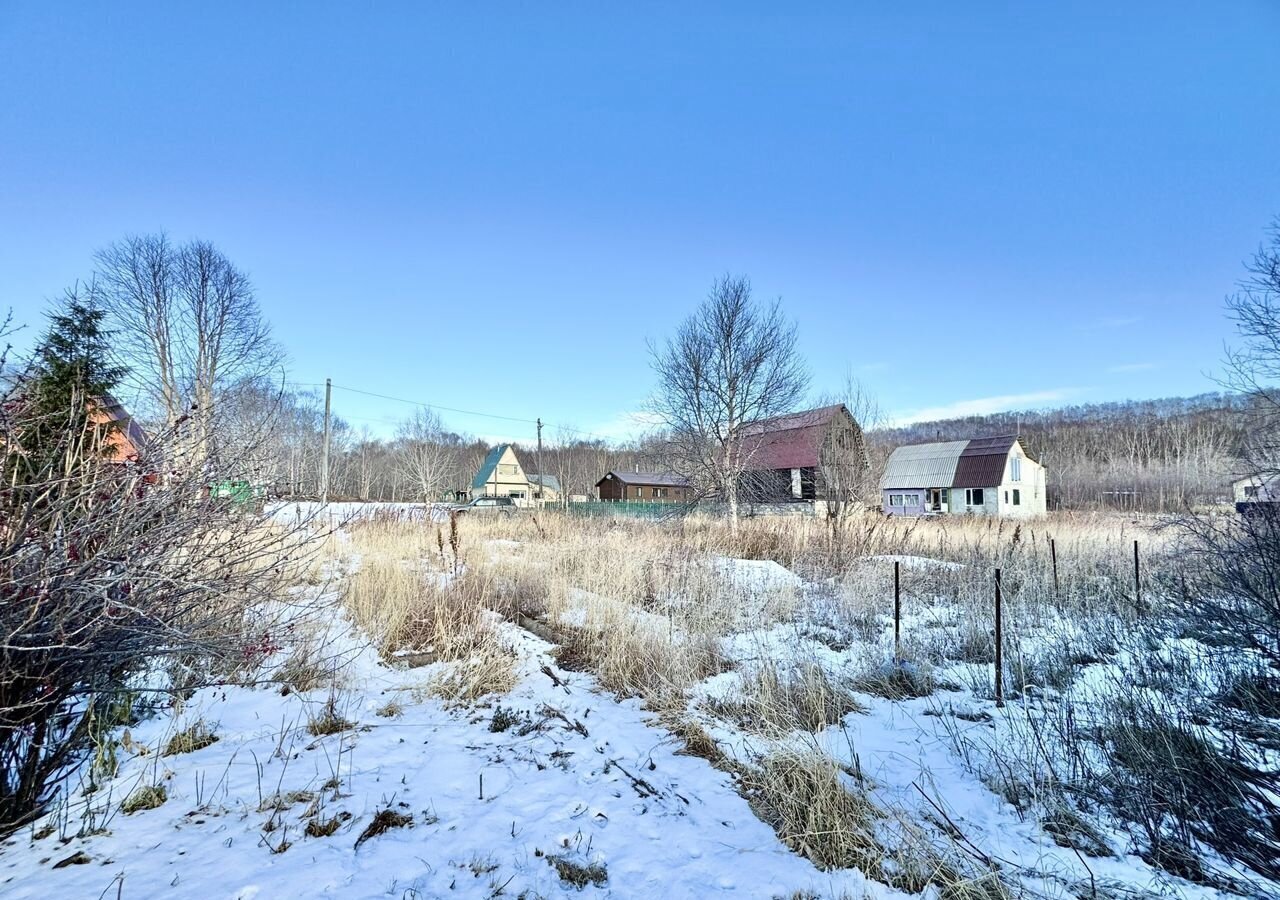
[(491, 506)]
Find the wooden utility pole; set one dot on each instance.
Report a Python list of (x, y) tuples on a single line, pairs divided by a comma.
[(324, 451), (542, 473)]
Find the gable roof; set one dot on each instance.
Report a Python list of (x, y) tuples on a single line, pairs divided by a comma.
[(791, 441), (979, 462), (645, 479), (549, 481), (488, 466), (115, 412)]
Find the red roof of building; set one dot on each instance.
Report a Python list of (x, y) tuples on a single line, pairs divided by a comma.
[(792, 441)]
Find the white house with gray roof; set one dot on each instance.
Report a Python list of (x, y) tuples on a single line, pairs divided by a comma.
[(984, 477)]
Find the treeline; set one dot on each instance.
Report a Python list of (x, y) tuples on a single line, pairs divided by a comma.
[(1151, 455), (423, 461)]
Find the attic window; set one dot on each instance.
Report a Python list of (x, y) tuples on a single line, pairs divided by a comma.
[(1015, 469)]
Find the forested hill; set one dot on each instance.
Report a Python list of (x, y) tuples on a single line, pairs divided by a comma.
[(1156, 455)]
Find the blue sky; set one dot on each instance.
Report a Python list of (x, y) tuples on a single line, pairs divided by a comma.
[(970, 206)]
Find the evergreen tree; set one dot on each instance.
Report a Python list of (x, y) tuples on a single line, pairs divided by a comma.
[(71, 375)]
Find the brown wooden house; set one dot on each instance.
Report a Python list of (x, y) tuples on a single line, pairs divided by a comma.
[(808, 455), (649, 487)]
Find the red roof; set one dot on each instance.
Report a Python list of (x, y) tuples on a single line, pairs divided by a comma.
[(793, 441)]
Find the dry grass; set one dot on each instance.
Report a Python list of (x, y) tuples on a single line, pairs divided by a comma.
[(803, 795), (645, 606), (194, 737), (146, 797)]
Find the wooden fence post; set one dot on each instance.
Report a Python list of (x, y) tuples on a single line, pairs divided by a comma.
[(1053, 554), (1137, 579), (897, 609), (999, 644)]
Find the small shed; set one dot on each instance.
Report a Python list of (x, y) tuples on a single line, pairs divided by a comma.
[(651, 487)]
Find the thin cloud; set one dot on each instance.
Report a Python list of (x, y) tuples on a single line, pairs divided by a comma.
[(1131, 367), (984, 406)]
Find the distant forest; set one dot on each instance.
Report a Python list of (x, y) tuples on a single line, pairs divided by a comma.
[(1150, 455)]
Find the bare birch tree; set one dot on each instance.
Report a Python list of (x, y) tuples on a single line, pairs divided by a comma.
[(188, 324), (428, 456), (731, 363)]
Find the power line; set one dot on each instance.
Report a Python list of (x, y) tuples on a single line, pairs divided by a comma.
[(449, 409)]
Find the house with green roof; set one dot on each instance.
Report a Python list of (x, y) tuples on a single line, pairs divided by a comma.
[(500, 475)]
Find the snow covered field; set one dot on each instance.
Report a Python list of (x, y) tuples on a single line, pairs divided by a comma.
[(650, 754)]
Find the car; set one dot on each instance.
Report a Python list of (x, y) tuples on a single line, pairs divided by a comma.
[(491, 506)]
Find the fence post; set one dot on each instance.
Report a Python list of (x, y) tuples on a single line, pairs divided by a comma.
[(999, 645), (897, 610), (1137, 579), (1053, 554)]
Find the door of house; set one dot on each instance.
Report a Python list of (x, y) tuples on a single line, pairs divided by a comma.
[(938, 498)]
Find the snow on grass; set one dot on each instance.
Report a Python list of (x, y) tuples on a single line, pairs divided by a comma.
[(574, 780)]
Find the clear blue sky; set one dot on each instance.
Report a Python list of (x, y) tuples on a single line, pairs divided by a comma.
[(1038, 203)]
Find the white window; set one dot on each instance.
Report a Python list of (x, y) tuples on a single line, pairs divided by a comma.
[(1015, 469), (1017, 497), (895, 499), (974, 497)]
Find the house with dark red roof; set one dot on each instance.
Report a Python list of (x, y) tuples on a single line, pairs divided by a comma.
[(990, 476), (817, 454)]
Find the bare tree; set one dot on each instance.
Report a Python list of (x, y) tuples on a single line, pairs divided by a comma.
[(731, 363), (427, 455), (1254, 365), (188, 325), (850, 475)]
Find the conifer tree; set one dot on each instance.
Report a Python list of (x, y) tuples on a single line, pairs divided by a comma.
[(70, 375)]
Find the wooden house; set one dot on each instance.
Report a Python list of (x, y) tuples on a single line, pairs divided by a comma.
[(650, 487)]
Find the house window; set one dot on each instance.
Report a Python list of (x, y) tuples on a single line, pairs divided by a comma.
[(1017, 497), (1015, 469), (974, 497), (1006, 496), (1251, 492), (895, 499)]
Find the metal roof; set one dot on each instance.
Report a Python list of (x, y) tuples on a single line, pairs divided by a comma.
[(550, 481), (983, 462), (923, 465), (658, 479), (979, 462), (486, 468), (791, 441)]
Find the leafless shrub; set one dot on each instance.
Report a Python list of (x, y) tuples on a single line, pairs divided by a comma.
[(112, 571)]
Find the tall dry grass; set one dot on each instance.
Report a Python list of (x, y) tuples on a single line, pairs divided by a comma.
[(647, 606)]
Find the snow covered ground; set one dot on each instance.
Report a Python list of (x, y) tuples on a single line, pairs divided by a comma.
[(555, 789), (575, 779)]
